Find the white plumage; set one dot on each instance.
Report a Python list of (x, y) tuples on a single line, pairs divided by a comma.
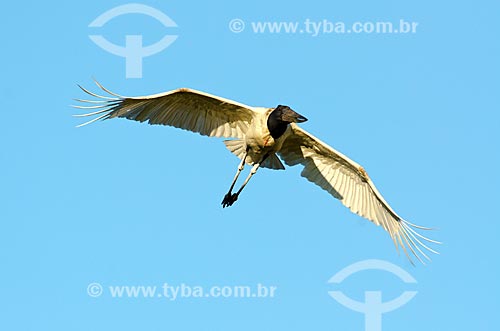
[(260, 135)]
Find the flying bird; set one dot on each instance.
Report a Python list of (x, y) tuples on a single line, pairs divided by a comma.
[(264, 137)]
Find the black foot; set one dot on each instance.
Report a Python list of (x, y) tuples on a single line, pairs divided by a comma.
[(229, 199)]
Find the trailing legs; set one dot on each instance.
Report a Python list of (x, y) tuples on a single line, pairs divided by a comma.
[(230, 197)]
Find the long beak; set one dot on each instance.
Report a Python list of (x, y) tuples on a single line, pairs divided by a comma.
[(290, 116), (300, 119)]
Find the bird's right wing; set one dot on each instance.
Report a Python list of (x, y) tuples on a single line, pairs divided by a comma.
[(183, 108), (347, 181)]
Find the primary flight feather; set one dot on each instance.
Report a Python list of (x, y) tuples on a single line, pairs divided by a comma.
[(260, 135)]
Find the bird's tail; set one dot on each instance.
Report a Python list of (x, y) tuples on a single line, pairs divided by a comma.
[(238, 148)]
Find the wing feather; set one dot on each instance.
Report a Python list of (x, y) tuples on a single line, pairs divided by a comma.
[(347, 181), (183, 108)]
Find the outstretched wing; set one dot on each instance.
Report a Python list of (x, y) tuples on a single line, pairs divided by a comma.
[(183, 108), (347, 181)]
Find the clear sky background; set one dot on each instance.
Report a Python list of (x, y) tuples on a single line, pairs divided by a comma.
[(124, 203)]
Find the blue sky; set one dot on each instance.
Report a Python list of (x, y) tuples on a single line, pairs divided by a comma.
[(124, 203)]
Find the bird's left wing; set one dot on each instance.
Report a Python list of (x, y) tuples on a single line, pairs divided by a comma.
[(183, 108), (347, 181)]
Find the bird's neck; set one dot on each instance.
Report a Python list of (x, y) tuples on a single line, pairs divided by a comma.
[(276, 126)]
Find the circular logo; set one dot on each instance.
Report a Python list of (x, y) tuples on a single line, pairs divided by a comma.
[(94, 290), (236, 25)]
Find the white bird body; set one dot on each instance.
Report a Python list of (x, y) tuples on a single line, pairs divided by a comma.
[(258, 138), (260, 135)]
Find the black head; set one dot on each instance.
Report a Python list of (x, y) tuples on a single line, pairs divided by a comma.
[(287, 115), (280, 117)]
